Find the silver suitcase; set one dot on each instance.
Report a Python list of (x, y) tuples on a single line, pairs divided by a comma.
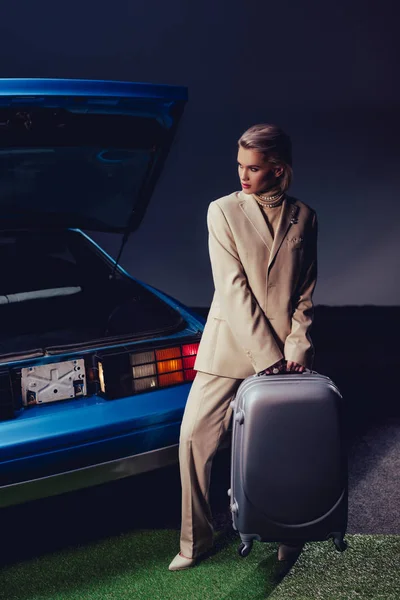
[(288, 461)]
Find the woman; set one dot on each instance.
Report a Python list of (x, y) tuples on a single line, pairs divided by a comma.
[(263, 252)]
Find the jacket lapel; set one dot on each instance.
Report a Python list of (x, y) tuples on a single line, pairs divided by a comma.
[(287, 218), (253, 213)]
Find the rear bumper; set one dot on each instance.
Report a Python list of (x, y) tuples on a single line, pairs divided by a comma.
[(54, 438), (26, 491), (60, 483), (51, 449)]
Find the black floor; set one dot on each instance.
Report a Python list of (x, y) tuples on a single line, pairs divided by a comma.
[(374, 479)]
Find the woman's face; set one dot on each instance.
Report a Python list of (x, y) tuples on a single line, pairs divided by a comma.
[(256, 173)]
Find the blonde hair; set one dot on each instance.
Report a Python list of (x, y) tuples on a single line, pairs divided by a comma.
[(275, 145)]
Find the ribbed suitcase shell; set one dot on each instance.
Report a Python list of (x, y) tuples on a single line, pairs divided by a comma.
[(288, 463)]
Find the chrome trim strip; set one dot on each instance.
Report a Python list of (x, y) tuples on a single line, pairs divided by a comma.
[(25, 491), (53, 485)]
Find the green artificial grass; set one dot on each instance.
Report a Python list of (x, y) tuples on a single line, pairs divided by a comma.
[(134, 565)]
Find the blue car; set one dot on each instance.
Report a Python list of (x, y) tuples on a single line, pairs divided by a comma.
[(95, 366)]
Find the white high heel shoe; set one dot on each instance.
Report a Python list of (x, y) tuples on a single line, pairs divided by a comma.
[(181, 562)]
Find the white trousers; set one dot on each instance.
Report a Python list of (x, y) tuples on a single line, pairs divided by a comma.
[(204, 425)]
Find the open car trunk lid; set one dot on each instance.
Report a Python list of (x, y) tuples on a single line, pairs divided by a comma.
[(83, 154)]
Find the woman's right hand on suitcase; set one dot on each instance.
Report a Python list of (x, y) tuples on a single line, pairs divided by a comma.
[(278, 367)]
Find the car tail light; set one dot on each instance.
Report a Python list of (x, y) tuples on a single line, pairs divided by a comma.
[(121, 374), (166, 366), (168, 353), (163, 367), (171, 379), (190, 349), (147, 383)]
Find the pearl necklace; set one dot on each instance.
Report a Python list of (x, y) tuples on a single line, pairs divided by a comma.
[(266, 200)]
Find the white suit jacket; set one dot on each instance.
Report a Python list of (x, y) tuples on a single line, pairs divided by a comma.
[(262, 308)]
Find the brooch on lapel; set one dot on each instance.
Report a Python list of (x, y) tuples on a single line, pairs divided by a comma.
[(294, 218)]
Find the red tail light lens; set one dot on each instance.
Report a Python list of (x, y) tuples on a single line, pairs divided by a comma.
[(167, 353), (190, 349), (190, 374), (171, 379), (188, 362)]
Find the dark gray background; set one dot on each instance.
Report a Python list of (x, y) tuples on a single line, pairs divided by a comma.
[(324, 71)]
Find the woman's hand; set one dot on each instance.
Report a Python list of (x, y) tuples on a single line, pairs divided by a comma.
[(278, 367), (294, 367), (283, 366)]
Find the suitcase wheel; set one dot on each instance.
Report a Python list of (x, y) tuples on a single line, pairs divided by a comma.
[(340, 544), (245, 548)]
